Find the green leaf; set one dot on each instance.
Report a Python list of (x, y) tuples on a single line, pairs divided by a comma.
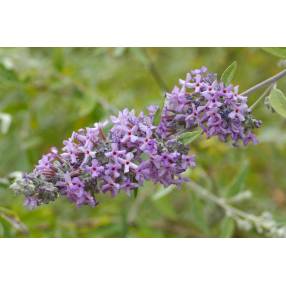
[(13, 219), (166, 208), (278, 52), (7, 74), (227, 227), (237, 185), (228, 74), (157, 116), (135, 193), (5, 122), (189, 137), (198, 214), (277, 101), (118, 52), (58, 58), (4, 182), (2, 231), (140, 55)]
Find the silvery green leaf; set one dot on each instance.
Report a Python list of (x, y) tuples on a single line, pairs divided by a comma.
[(277, 101), (237, 185), (198, 213), (228, 74), (13, 219), (139, 55), (227, 227), (5, 122), (135, 193), (189, 137), (15, 175), (278, 52), (157, 116)]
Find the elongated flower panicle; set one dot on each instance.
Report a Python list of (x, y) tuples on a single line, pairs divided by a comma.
[(93, 162), (203, 102), (134, 149)]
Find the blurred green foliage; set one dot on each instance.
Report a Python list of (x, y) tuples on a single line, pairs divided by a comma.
[(48, 92)]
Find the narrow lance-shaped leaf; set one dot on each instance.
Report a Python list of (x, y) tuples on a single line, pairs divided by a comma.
[(189, 137), (198, 213), (278, 52), (277, 101), (237, 185), (135, 193), (5, 122), (227, 227), (139, 55), (158, 114), (228, 74), (13, 219)]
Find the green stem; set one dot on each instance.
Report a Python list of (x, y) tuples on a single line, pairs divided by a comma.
[(264, 83), (263, 95)]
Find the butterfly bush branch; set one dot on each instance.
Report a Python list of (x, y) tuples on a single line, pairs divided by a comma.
[(130, 149), (262, 224), (264, 83), (263, 95)]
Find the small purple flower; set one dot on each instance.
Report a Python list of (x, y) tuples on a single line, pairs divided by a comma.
[(250, 137), (152, 109), (44, 163), (31, 202), (238, 112), (128, 164), (148, 144), (77, 184), (112, 170), (65, 182), (197, 84), (70, 150), (130, 135), (188, 161), (95, 169), (193, 117), (110, 186), (87, 152), (129, 186), (115, 152)]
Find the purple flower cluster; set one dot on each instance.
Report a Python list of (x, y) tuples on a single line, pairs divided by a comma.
[(202, 101), (122, 154), (92, 162)]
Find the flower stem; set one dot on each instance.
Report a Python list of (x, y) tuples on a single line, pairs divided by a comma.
[(264, 83), (264, 94)]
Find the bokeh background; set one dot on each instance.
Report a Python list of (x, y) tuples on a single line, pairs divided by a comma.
[(49, 92)]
